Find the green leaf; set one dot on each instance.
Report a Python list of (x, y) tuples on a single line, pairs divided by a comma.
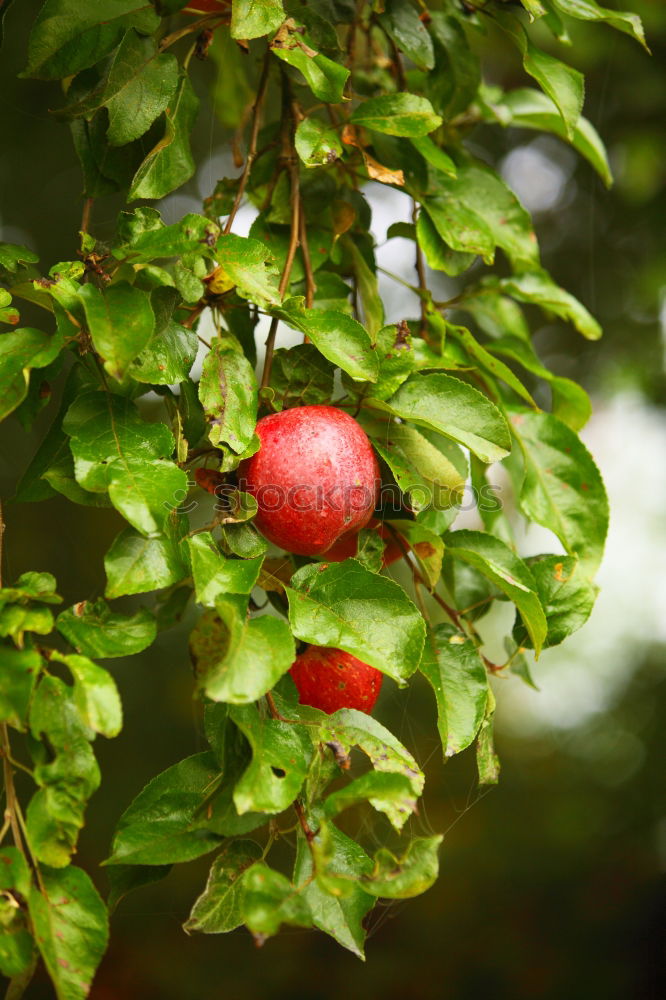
[(95, 694), (281, 753), (406, 876), (454, 82), (454, 669), (147, 239), (300, 376), (325, 78), (484, 359), (505, 569), (95, 630), (168, 357), (425, 544), (21, 350), (254, 18), (341, 914), (570, 402), (239, 659), (170, 163), (424, 473), (19, 669), (13, 256), (434, 155), (14, 621), (350, 608), (71, 929), (368, 291), (218, 908), (228, 393), (249, 264), (562, 488), (215, 575), (391, 794), (180, 815), (16, 943), (115, 449), (347, 728), (588, 10), (67, 37), (270, 900), (402, 23), (567, 598), (539, 288), (136, 565), (136, 88), (475, 212), (563, 84), (317, 144), (397, 114), (487, 761), (31, 587), (121, 322), (439, 256), (528, 108), (145, 93), (340, 338), (123, 879), (456, 410)]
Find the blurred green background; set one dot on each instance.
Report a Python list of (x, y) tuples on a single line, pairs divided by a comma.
[(552, 885)]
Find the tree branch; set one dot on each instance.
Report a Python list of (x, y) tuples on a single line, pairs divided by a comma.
[(252, 144)]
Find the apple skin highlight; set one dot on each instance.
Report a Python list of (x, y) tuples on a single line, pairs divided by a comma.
[(315, 478)]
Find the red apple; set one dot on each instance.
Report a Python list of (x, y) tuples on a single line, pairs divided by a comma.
[(347, 546), (315, 478), (330, 679)]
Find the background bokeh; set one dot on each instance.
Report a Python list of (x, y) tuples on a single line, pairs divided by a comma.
[(552, 885)]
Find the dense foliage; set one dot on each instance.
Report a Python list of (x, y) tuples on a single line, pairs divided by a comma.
[(323, 97)]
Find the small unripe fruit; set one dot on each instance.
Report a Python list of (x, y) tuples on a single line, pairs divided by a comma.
[(315, 478), (330, 679)]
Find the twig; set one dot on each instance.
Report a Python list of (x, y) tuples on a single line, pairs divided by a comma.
[(202, 22), (420, 270), (252, 144), (451, 612), (289, 156), (85, 217), (310, 286), (10, 791)]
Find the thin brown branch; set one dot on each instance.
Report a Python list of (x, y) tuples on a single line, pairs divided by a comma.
[(11, 815), (310, 286), (85, 216), (203, 22), (421, 272), (252, 144), (290, 158)]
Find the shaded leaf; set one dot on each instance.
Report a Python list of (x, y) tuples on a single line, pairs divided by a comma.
[(238, 659), (135, 565), (95, 694), (401, 22), (397, 114), (456, 410), (281, 753), (254, 18), (228, 393), (503, 567), (348, 607), (325, 77), (538, 287), (389, 793), (219, 907), (562, 488), (454, 669), (317, 144), (270, 900), (405, 876), (169, 164), (71, 929), (339, 337), (567, 598), (214, 574)]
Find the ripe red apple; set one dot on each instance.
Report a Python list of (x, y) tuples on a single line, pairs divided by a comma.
[(347, 546), (315, 478), (330, 679), (203, 7)]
